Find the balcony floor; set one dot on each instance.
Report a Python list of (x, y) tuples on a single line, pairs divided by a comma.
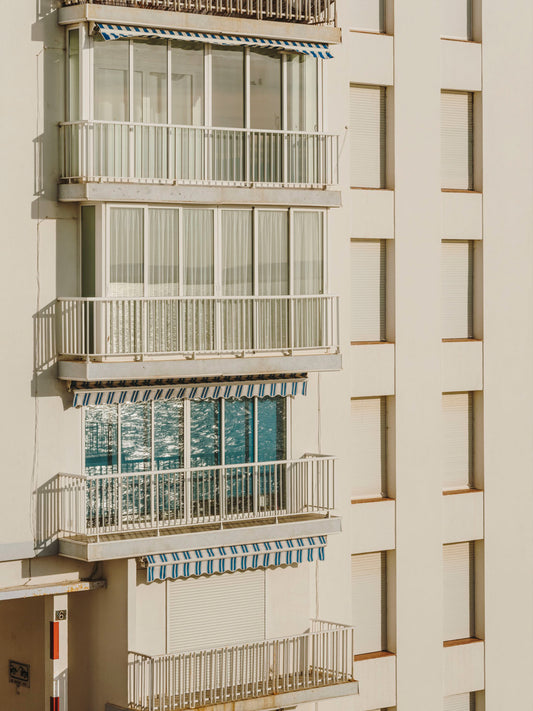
[(264, 703), (129, 544)]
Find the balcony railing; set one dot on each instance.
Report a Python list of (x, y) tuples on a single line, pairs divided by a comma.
[(100, 151), (188, 680), (94, 328), (311, 12), (154, 501)]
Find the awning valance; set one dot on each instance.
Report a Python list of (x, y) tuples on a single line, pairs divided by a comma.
[(227, 559), (192, 391), (315, 49)]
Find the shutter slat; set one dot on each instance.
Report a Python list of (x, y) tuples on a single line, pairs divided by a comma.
[(368, 426), (459, 702), (368, 15), (368, 276), (457, 440), (369, 601), (456, 19), (458, 590), (457, 290), (457, 140), (367, 136), (216, 611)]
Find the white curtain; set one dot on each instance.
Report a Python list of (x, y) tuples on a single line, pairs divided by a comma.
[(163, 253), (198, 276), (308, 253), (237, 279), (126, 272), (111, 60), (273, 252)]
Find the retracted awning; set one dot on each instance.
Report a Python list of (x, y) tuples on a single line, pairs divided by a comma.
[(227, 559), (192, 391), (315, 49)]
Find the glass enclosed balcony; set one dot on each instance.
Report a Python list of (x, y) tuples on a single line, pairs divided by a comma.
[(267, 674), (313, 12), (169, 112)]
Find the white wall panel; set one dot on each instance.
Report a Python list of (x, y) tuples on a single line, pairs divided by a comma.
[(367, 15), (456, 19)]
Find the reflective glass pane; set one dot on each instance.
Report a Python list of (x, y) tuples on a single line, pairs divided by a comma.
[(302, 93), (271, 429), (168, 434), (187, 84), (150, 89), (239, 431), (101, 440), (111, 60), (135, 437), (205, 433), (228, 87), (265, 90)]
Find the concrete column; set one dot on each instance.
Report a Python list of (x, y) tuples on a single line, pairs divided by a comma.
[(56, 652), (418, 483)]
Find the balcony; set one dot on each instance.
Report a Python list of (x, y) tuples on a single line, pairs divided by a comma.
[(117, 153), (106, 338), (269, 674), (140, 513), (311, 12)]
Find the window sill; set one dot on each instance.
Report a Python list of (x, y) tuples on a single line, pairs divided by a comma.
[(372, 655), (452, 492), (461, 190), (370, 343), (361, 187), (371, 32), (371, 500), (460, 642), (462, 340), (457, 39)]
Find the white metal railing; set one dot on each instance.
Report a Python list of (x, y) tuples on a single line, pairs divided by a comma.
[(100, 504), (187, 680), (99, 151), (152, 326), (311, 12)]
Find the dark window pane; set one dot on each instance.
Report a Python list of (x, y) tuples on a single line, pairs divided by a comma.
[(101, 440), (271, 429), (239, 431)]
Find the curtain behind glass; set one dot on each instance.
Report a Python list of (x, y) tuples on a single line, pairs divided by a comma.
[(126, 274), (237, 253), (101, 440), (265, 90), (198, 252), (308, 253), (111, 94), (273, 252), (150, 71), (302, 93), (163, 253), (187, 84), (228, 87)]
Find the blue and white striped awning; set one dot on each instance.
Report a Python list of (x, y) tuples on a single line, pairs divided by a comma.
[(191, 391), (315, 49), (228, 559)]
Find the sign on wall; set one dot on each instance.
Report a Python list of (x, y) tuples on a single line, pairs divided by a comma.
[(19, 673)]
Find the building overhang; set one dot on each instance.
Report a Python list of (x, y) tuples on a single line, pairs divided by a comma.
[(90, 371), (164, 19), (277, 701), (134, 545), (198, 194), (60, 588)]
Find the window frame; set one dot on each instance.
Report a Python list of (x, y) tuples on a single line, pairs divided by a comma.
[(186, 448)]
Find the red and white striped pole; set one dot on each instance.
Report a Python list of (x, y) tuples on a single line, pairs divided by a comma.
[(56, 652)]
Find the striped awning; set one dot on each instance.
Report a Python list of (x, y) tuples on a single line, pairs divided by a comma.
[(191, 391), (315, 49), (228, 559)]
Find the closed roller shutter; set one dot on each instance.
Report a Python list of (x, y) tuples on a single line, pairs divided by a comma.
[(368, 427), (457, 440), (456, 19), (369, 601), (368, 15), (458, 591), (457, 140), (367, 136), (216, 611), (457, 289), (459, 702), (368, 290)]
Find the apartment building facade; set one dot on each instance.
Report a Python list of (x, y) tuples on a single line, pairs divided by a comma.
[(267, 443)]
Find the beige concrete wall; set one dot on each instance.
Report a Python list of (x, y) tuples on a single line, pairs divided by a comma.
[(22, 638)]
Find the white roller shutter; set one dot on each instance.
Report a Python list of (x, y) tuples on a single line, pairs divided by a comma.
[(459, 702), (367, 136), (368, 427), (367, 15), (456, 19), (216, 611), (369, 601), (457, 440), (457, 140), (458, 591), (457, 289), (368, 278)]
